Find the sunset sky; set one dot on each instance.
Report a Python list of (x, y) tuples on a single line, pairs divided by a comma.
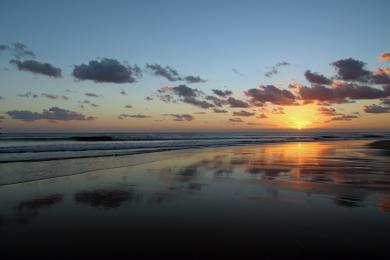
[(194, 65)]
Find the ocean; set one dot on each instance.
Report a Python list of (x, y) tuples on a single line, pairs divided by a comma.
[(23, 147)]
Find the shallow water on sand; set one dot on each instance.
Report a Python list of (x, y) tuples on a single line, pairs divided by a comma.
[(300, 200)]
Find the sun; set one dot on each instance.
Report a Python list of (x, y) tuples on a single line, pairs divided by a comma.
[(301, 124)]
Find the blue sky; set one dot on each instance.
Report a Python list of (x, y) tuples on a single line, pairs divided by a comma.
[(206, 38)]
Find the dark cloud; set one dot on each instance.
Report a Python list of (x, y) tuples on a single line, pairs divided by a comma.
[(341, 92), (196, 102), (342, 118), (384, 56), (17, 50), (243, 113), (166, 72), (381, 76), (123, 92), (52, 114), (235, 120), (219, 111), (185, 94), (376, 109), (274, 69), (28, 94), (217, 101), (236, 103), (37, 67), (128, 106), (222, 93), (262, 116), (107, 70), (149, 98), (259, 96), (351, 69), (278, 110), (385, 101), (194, 79), (180, 117), (2, 98), (123, 116), (253, 124), (171, 74), (52, 96), (316, 78), (328, 111), (90, 94)]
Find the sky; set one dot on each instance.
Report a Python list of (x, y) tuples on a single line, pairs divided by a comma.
[(194, 65)]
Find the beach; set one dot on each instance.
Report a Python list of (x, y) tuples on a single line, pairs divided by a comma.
[(266, 201)]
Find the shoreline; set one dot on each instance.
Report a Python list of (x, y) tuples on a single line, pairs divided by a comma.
[(21, 172)]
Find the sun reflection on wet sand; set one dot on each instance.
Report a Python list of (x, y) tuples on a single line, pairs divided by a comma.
[(276, 195)]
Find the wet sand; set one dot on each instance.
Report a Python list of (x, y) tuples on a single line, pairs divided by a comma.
[(271, 201)]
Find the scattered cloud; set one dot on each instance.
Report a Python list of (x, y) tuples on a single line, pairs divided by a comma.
[(107, 71), (171, 74), (17, 50), (236, 103), (342, 118), (28, 94), (262, 116), (219, 111), (139, 116), (263, 94), (52, 96), (384, 56), (123, 92), (180, 117), (149, 98), (278, 110), (316, 78), (351, 69), (222, 93), (235, 120), (38, 67), (90, 94), (328, 111), (51, 114), (274, 69), (128, 106), (243, 113), (376, 109)]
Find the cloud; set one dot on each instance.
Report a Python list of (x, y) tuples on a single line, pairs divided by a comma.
[(328, 111), (259, 96), (351, 69), (166, 72), (139, 116), (381, 76), (218, 102), (236, 71), (123, 92), (342, 118), (262, 116), (108, 71), (197, 102), (222, 93), (274, 69), (185, 94), (2, 98), (317, 78), (52, 96), (17, 50), (194, 79), (235, 120), (278, 110), (385, 101), (38, 67), (128, 106), (180, 117), (376, 109), (28, 95), (341, 92), (236, 103), (384, 57), (149, 98), (89, 94), (243, 113), (52, 114), (219, 111)]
